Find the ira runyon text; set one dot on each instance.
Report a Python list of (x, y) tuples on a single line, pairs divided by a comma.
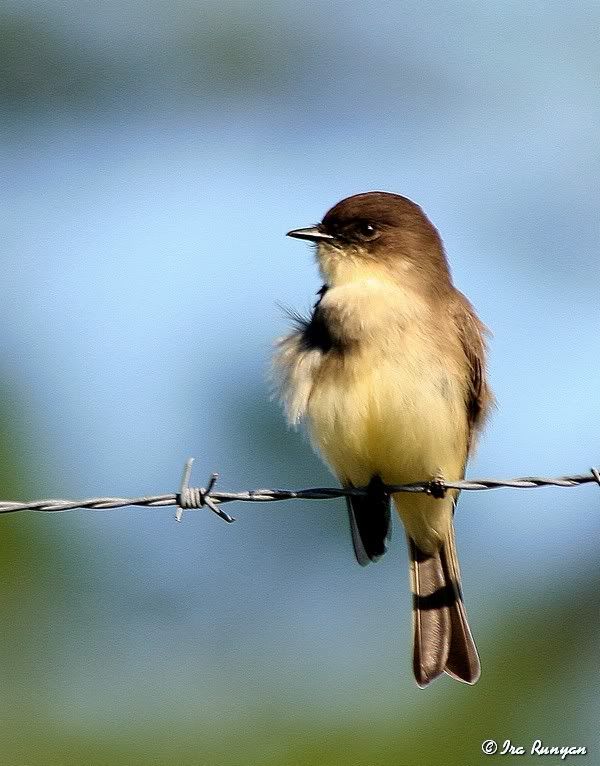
[(537, 747)]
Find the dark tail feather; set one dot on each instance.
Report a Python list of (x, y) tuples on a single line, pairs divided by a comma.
[(431, 617), (463, 659), (442, 639), (370, 523)]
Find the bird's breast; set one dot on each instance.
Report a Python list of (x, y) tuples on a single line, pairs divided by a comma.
[(390, 404)]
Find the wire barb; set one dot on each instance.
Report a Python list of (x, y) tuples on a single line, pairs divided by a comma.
[(191, 498), (197, 497), (437, 487)]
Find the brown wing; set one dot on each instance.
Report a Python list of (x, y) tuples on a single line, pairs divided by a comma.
[(370, 522), (472, 333)]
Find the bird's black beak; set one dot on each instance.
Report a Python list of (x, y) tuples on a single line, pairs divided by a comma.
[(312, 233)]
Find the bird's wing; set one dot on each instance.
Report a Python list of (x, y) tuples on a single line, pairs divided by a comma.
[(472, 332)]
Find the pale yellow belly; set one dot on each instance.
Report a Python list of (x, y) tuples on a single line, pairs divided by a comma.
[(403, 420)]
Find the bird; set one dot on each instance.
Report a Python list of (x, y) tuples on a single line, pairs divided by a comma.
[(388, 373)]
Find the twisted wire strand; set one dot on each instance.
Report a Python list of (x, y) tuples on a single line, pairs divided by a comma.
[(192, 498)]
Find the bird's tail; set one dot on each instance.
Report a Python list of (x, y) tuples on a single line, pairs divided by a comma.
[(442, 638)]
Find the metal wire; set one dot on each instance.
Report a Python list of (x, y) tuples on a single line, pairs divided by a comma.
[(192, 498)]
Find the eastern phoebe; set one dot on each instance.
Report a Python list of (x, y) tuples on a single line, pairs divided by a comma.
[(389, 373)]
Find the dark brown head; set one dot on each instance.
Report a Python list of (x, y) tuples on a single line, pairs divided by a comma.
[(378, 230)]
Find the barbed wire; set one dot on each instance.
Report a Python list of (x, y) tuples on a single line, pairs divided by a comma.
[(192, 498)]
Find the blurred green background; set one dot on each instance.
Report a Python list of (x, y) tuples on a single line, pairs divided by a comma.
[(154, 155)]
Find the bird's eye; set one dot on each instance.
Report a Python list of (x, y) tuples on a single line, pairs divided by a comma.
[(366, 230)]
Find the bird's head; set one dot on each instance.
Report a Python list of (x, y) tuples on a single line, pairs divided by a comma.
[(377, 234)]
